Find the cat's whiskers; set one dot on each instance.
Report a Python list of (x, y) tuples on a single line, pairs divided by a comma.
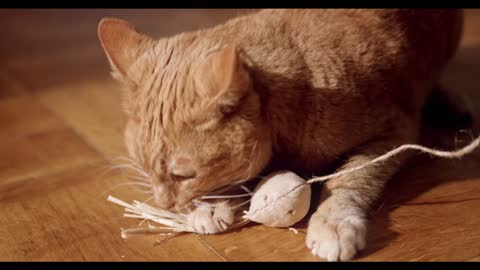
[(249, 169), (128, 174), (207, 197), (148, 199), (122, 160), (130, 183), (241, 204), (131, 164), (148, 192), (143, 179), (125, 158), (216, 194), (112, 166), (132, 167), (249, 192), (132, 171)]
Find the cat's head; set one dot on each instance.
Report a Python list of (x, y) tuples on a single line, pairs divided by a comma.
[(195, 122)]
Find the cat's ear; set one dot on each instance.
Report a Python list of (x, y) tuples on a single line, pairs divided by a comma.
[(229, 79), (122, 44)]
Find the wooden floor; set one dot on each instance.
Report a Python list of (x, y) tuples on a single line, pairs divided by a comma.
[(61, 128)]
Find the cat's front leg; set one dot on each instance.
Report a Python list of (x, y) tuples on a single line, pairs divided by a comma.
[(211, 220), (338, 229)]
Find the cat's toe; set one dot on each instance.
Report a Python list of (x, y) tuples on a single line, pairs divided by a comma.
[(202, 221), (223, 216), (334, 241)]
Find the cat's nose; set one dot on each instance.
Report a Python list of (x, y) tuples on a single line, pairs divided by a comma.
[(182, 168), (163, 201), (164, 197)]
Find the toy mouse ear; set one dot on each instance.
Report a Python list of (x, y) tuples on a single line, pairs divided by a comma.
[(121, 42)]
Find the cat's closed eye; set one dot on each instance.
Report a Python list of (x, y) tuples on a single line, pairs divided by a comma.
[(182, 169), (182, 174)]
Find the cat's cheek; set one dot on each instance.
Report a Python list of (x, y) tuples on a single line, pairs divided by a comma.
[(187, 191), (164, 195), (129, 139)]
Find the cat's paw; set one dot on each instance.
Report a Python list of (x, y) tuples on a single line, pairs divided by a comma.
[(211, 221), (336, 239), (223, 216)]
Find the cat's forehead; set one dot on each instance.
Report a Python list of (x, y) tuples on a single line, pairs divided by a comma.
[(182, 50), (165, 69), (168, 98), (172, 85)]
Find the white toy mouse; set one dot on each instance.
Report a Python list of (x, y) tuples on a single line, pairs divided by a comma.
[(280, 200)]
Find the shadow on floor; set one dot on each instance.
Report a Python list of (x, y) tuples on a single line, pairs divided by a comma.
[(422, 173)]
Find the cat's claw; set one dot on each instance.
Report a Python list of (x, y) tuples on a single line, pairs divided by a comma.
[(211, 221), (336, 240), (223, 216)]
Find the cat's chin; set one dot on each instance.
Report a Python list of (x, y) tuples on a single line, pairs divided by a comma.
[(179, 208), (185, 208)]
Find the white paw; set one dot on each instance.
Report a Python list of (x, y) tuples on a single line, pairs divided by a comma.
[(211, 221), (335, 240)]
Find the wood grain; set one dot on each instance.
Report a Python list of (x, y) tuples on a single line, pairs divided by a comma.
[(61, 129), (66, 217), (93, 110), (34, 142)]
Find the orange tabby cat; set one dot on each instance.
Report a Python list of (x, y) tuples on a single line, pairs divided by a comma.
[(304, 87)]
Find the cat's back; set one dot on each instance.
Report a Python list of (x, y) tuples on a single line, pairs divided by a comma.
[(343, 49), (368, 40), (434, 32), (365, 36)]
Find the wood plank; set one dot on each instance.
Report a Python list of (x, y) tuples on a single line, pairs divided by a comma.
[(433, 214), (474, 259), (93, 110), (260, 243), (65, 217), (21, 116), (30, 140), (60, 67)]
